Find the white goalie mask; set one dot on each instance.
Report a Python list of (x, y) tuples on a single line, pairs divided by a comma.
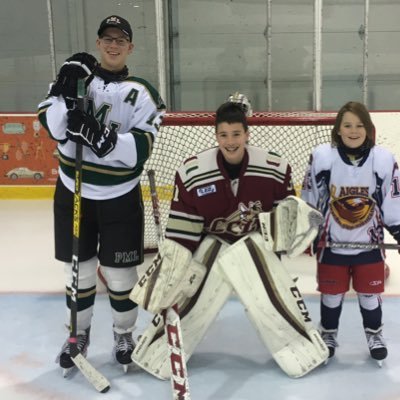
[(243, 101)]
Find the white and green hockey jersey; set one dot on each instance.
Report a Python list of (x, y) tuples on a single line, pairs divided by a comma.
[(134, 109)]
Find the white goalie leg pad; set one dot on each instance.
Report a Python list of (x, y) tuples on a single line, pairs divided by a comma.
[(196, 313), (274, 305), (291, 227), (171, 277)]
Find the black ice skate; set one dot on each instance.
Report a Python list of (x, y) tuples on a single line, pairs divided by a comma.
[(329, 337), (123, 349), (376, 345), (64, 357)]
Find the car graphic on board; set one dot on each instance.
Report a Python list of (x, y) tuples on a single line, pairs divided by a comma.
[(23, 172)]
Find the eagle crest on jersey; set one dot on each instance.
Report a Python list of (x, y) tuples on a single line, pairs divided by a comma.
[(291, 227), (352, 211)]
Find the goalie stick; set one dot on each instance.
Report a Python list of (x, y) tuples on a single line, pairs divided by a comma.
[(91, 374), (173, 331)]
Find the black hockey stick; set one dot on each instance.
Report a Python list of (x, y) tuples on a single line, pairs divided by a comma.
[(359, 245), (173, 331), (91, 374)]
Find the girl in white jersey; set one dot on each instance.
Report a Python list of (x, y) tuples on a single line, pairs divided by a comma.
[(117, 130), (355, 184)]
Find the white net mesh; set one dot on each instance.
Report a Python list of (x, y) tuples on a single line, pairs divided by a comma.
[(293, 135)]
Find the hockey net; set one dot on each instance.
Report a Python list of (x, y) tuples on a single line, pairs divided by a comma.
[(293, 135)]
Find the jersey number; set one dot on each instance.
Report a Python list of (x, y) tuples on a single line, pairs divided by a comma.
[(395, 187)]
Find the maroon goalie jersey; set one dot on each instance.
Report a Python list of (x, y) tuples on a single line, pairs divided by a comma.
[(207, 202)]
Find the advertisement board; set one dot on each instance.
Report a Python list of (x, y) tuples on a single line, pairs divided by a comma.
[(27, 155)]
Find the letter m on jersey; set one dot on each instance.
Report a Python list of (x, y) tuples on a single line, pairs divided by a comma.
[(101, 114)]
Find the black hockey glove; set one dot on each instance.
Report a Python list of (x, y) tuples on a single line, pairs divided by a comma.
[(85, 129), (395, 232), (79, 66)]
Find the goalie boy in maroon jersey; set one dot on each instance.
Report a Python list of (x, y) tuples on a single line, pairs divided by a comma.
[(214, 247), (355, 184), (228, 185)]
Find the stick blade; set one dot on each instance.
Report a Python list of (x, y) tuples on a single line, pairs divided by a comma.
[(99, 381)]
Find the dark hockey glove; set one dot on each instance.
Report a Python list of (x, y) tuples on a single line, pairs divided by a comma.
[(395, 232), (85, 129), (79, 66)]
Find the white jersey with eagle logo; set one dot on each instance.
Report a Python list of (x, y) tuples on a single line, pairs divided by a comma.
[(207, 201), (357, 198)]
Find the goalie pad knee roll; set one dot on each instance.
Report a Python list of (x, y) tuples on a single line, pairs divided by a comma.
[(196, 313), (274, 305), (172, 276), (291, 227)]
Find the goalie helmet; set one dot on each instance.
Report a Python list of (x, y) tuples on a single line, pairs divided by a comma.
[(243, 101)]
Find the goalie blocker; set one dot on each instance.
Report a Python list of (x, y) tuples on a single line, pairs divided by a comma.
[(271, 299)]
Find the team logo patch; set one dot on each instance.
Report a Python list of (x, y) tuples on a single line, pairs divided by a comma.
[(241, 221), (204, 191), (352, 211), (113, 19)]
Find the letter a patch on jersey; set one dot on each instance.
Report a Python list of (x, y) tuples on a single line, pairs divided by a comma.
[(204, 191)]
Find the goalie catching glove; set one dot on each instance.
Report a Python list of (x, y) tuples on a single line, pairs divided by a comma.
[(291, 227), (85, 129), (172, 277)]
